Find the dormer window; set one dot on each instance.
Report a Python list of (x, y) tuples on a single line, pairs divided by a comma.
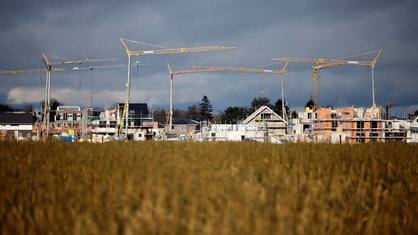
[(266, 116)]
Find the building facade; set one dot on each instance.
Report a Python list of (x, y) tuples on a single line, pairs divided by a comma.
[(268, 121), (17, 126), (347, 125)]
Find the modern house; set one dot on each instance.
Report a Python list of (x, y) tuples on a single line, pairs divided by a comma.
[(185, 126), (347, 125), (268, 121), (413, 131), (16, 126), (140, 124), (235, 132), (67, 118), (103, 126), (264, 125)]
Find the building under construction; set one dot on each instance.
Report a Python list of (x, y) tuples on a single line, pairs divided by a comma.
[(348, 125)]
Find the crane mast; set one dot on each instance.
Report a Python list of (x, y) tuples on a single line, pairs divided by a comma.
[(162, 51), (172, 73), (49, 68)]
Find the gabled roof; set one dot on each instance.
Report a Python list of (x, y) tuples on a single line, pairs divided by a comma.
[(184, 121), (16, 118), (262, 109)]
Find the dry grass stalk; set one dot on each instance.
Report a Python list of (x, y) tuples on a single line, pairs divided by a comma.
[(208, 188)]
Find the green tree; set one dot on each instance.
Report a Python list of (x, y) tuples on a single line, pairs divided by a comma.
[(293, 114), (205, 109), (160, 115), (28, 108), (277, 108), (310, 103), (193, 112), (54, 103), (412, 116), (179, 113), (234, 114), (258, 102), (5, 108)]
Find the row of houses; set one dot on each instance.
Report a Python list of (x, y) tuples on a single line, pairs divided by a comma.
[(340, 125)]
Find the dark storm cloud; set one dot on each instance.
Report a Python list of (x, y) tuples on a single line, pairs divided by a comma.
[(261, 30)]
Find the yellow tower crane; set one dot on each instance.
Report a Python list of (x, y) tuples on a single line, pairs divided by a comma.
[(50, 67), (253, 70), (327, 63), (172, 73), (26, 71), (162, 51)]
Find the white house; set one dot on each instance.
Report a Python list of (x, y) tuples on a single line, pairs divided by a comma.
[(17, 126), (267, 120)]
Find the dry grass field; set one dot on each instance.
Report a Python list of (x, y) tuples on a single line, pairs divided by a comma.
[(208, 188)]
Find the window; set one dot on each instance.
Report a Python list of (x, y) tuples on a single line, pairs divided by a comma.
[(309, 115), (374, 125), (266, 116), (374, 136), (389, 124), (360, 124), (131, 113), (360, 137), (334, 125)]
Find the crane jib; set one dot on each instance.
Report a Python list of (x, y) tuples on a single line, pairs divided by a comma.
[(148, 52), (45, 63)]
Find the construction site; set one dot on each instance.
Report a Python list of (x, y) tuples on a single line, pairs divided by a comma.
[(135, 121)]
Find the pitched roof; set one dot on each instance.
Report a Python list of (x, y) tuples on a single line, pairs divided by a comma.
[(16, 118), (262, 109), (184, 121)]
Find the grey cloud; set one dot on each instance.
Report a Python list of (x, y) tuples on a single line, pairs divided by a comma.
[(261, 30)]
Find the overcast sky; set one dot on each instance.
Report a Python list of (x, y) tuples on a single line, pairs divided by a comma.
[(261, 30)]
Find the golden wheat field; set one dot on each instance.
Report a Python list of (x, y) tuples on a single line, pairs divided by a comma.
[(208, 188)]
